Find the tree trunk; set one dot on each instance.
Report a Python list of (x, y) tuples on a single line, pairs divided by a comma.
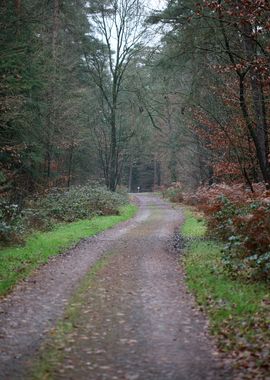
[(51, 117), (17, 6), (56, 26), (113, 172), (155, 174), (113, 163), (130, 176), (70, 165), (259, 131), (259, 105), (256, 135), (48, 169)]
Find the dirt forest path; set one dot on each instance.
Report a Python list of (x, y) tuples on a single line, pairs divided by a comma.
[(137, 320)]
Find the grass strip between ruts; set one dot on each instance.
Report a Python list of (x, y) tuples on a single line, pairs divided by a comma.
[(52, 352), (239, 312), (16, 263)]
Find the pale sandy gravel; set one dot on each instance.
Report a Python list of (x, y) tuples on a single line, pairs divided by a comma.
[(137, 322)]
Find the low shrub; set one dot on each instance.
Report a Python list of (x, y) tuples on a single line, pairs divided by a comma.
[(242, 220), (80, 202), (10, 222), (174, 193), (247, 248)]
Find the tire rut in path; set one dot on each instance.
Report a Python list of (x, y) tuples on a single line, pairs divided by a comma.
[(137, 321)]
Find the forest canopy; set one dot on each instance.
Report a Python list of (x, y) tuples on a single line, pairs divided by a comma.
[(89, 92)]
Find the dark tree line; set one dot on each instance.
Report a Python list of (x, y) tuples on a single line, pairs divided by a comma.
[(87, 92), (42, 88), (221, 49), (68, 109)]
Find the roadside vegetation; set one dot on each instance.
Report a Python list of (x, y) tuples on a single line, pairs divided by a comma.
[(239, 311), (57, 206), (227, 263), (50, 225), (173, 193), (238, 218)]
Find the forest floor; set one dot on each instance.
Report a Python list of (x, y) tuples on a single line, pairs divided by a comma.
[(131, 317)]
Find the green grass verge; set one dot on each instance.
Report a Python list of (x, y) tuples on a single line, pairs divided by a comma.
[(16, 263), (239, 312), (194, 226)]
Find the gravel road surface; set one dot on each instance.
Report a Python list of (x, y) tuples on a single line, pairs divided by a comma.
[(136, 322)]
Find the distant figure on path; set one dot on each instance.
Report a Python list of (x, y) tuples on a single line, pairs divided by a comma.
[(138, 189)]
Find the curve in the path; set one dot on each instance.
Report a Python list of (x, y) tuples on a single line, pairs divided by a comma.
[(137, 321)]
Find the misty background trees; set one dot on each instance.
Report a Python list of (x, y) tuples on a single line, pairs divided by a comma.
[(90, 92)]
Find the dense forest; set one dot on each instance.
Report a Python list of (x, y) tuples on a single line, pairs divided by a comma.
[(88, 91), (101, 100), (122, 94)]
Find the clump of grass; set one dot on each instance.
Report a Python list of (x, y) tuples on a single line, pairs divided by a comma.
[(239, 313), (16, 263), (194, 226)]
